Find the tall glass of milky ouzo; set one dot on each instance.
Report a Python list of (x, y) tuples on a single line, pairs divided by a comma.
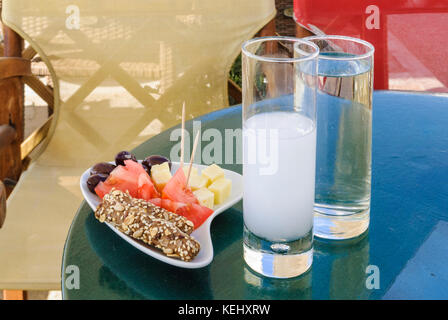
[(344, 137), (279, 154)]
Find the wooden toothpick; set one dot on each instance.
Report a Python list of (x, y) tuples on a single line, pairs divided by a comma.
[(196, 140), (182, 137)]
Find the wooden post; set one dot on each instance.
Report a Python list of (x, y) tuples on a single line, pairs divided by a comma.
[(271, 49), (11, 116), (7, 135), (269, 31), (301, 32), (11, 110)]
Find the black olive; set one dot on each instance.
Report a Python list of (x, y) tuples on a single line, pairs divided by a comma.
[(94, 179), (153, 160), (102, 168), (122, 156)]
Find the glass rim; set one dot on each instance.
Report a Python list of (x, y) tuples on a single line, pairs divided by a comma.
[(311, 56), (368, 54)]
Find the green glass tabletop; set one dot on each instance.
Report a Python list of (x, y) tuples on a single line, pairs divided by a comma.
[(406, 242)]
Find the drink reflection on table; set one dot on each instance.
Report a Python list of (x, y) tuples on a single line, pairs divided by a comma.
[(339, 273), (341, 267), (115, 286), (237, 281), (298, 288)]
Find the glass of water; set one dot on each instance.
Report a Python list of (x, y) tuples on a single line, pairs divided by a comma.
[(279, 154), (344, 137)]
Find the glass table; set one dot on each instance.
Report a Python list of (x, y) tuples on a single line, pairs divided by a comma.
[(405, 245)]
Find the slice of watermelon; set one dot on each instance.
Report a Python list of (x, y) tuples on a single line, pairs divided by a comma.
[(167, 204), (131, 177), (156, 201), (134, 167), (175, 189), (121, 179), (195, 213), (172, 206), (146, 189), (102, 189)]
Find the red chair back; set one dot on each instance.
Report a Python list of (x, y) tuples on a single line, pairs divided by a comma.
[(409, 37)]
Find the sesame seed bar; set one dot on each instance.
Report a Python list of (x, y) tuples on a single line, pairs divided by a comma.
[(136, 222), (134, 204)]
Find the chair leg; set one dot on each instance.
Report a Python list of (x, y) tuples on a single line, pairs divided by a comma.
[(301, 32), (268, 29), (14, 295)]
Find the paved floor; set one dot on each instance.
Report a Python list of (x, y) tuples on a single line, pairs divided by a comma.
[(40, 295), (418, 51)]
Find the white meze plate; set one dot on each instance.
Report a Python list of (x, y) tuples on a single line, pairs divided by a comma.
[(202, 234)]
